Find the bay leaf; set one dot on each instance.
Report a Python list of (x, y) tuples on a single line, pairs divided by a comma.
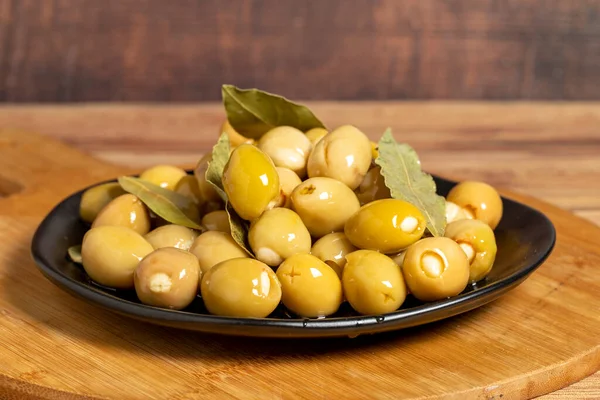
[(253, 112), (216, 166), (239, 229), (163, 202), (74, 253), (402, 174)]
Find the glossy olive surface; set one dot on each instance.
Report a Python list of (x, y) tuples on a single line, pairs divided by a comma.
[(316, 134), (372, 187), (288, 147), (188, 186), (333, 247), (241, 287), (127, 211), (480, 199), (171, 236), (165, 176), (387, 225), (288, 181), (213, 247), (216, 221), (235, 139), (96, 198)]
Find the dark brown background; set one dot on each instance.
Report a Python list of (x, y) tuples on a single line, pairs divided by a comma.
[(157, 50)]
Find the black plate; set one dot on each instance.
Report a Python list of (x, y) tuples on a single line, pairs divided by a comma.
[(525, 238)]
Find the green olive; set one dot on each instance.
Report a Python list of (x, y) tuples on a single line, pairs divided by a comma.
[(333, 247), (455, 213), (481, 199), (373, 283), (126, 210), (110, 254), (477, 240), (316, 134), (251, 182), (310, 287), (288, 181), (344, 154), (387, 225), (372, 187), (171, 235), (288, 147), (165, 176), (217, 221), (207, 191), (167, 278), (213, 247), (94, 199), (324, 204), (188, 186), (235, 139), (435, 268), (374, 150), (278, 234), (241, 287)]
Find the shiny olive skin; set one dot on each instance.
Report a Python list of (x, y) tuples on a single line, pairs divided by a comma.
[(165, 176), (241, 287), (372, 187), (288, 180), (373, 283), (208, 194), (235, 139), (217, 221), (171, 235), (94, 199), (278, 234), (110, 254), (310, 287), (288, 147), (126, 210), (213, 247), (374, 150), (333, 247), (188, 186), (477, 240), (316, 134), (251, 182), (455, 213), (387, 225), (481, 199), (324, 204), (435, 268), (167, 278), (344, 154)]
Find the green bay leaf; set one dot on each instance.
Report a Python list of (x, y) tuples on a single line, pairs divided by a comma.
[(253, 112), (74, 253), (216, 166), (239, 229), (165, 203), (401, 170)]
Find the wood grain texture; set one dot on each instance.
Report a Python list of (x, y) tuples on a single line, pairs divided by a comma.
[(153, 50), (546, 150)]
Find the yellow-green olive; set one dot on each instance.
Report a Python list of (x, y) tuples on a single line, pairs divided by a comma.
[(316, 134), (207, 191), (373, 283), (288, 147), (235, 139), (278, 234), (333, 247), (324, 204), (110, 254), (165, 176), (374, 150), (480, 199), (241, 287), (217, 221), (213, 247), (188, 186), (126, 210), (251, 182), (310, 287), (387, 225), (167, 278), (372, 187), (435, 268), (171, 235), (455, 213), (344, 154), (288, 180), (96, 198), (477, 240)]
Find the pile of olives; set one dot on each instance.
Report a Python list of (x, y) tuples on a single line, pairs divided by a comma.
[(322, 230)]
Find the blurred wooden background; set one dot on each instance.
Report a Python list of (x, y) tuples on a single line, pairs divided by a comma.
[(156, 50)]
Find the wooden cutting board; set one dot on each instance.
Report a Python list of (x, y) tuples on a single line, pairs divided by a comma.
[(540, 337)]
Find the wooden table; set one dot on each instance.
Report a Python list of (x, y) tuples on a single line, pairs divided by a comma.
[(550, 151)]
